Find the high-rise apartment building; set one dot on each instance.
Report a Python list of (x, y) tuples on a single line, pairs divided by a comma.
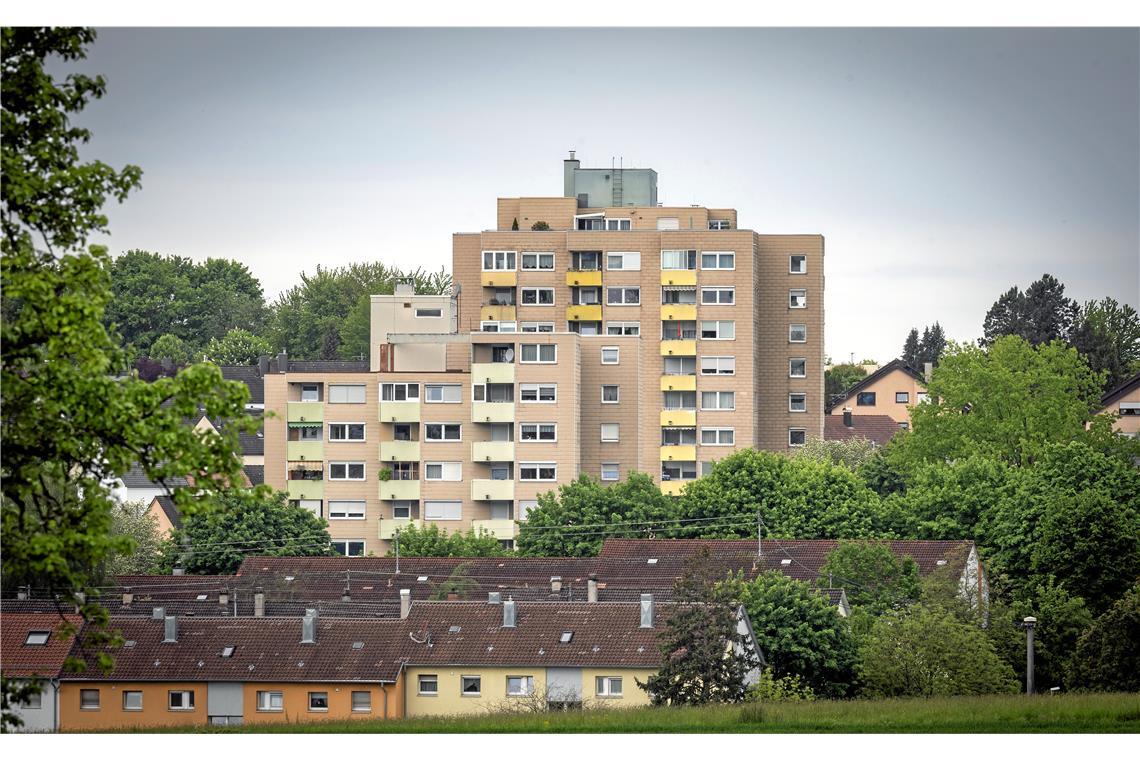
[(599, 339)]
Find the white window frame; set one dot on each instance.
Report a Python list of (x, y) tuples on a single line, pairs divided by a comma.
[(604, 687), (310, 392), (403, 505), (719, 289), (458, 400), (478, 686), (791, 262), (537, 255), (346, 463), (500, 326), (718, 362), (129, 708), (266, 700), (538, 351), (719, 329), (526, 684), (187, 700), (418, 309), (346, 542), (717, 431), (618, 227), (616, 471), (791, 328), (363, 392), (616, 435), (667, 223), (536, 327), (537, 296), (720, 224), (444, 469), (797, 298), (623, 291), (423, 678), (797, 430), (790, 367), (494, 260), (537, 388), (625, 257), (623, 329), (537, 466), (318, 709), (718, 407), (407, 396), (616, 387), (346, 426), (443, 426), (791, 406), (718, 255), (357, 510), (538, 426), (902, 393), (454, 509), (525, 507), (617, 354), (686, 251)]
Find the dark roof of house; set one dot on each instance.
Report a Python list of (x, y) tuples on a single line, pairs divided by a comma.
[(136, 477), (18, 658), (252, 378), (255, 473), (321, 365), (249, 443), (170, 509), (881, 372), (1124, 388), (878, 428)]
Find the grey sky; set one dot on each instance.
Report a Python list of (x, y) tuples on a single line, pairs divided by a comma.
[(942, 166)]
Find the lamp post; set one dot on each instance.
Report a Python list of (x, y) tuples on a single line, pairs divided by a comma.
[(1029, 622)]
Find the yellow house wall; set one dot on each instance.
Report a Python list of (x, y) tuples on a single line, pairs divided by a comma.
[(632, 694), (1128, 424), (884, 389)]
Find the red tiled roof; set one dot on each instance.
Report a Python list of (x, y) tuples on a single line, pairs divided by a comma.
[(20, 659), (874, 427)]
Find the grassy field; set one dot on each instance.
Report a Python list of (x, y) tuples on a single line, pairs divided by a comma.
[(1092, 713)]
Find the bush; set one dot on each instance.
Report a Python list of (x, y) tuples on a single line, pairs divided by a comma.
[(790, 688), (1108, 653)]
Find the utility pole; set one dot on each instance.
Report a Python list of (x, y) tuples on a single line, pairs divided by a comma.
[(1030, 622)]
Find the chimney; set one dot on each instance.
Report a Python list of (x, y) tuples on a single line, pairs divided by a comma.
[(405, 602), (283, 362), (309, 627), (128, 597), (263, 365), (177, 571), (592, 588), (847, 422), (509, 613), (224, 597), (647, 610), (258, 602), (170, 631), (927, 370), (346, 595), (158, 613), (555, 584), (21, 594), (494, 597), (568, 167)]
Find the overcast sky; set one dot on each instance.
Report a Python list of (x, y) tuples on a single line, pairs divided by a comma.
[(942, 166)]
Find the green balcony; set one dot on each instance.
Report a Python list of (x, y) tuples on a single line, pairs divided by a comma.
[(399, 490), (493, 451), (504, 530), (492, 411), (496, 372), (388, 528), (304, 451), (399, 451), (306, 489), (306, 411), (399, 411), (492, 490)]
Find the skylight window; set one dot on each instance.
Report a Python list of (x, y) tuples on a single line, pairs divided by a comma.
[(651, 561), (785, 562), (453, 629), (228, 651), (566, 636), (128, 644), (288, 578), (941, 562), (358, 645), (201, 597), (422, 579), (37, 638)]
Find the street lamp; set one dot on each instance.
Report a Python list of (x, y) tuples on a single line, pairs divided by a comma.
[(1029, 623)]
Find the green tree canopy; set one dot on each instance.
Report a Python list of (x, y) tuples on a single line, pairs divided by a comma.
[(131, 520), (431, 541), (850, 453), (873, 577), (1108, 336), (1039, 315), (237, 348), (947, 500), (1107, 657), (170, 347), (929, 348), (839, 377)]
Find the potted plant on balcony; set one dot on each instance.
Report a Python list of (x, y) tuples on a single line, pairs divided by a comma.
[(385, 475)]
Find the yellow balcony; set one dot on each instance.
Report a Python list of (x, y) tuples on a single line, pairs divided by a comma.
[(584, 279), (499, 372), (399, 490), (399, 411), (306, 411), (497, 314), (591, 313), (679, 311), (492, 490), (678, 453), (492, 411), (306, 489), (678, 348), (503, 530), (388, 528), (399, 451), (678, 277), (304, 451), (493, 451), (678, 418), (678, 382), (673, 487), (500, 279)]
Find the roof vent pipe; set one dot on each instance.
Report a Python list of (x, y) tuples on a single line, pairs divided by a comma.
[(258, 602), (494, 597), (128, 597), (158, 613), (555, 584), (224, 597), (405, 602), (170, 630), (847, 421), (647, 610), (509, 613), (592, 588)]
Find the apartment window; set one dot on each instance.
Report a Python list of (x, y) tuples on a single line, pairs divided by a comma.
[(680, 400), (707, 468), (538, 471), (443, 431), (525, 506), (443, 394), (536, 327), (132, 701), (866, 398), (678, 436), (497, 327), (718, 365), (585, 261), (37, 638), (346, 394), (399, 391), (797, 264), (904, 426), (520, 686), (678, 259), (902, 397), (797, 367), (623, 296), (622, 261), (538, 296), (719, 330), (718, 260), (538, 431), (443, 510), (606, 686), (797, 436), (919, 397), (180, 700), (797, 402), (346, 510), (313, 505), (307, 433), (539, 353), (543, 261), (680, 365), (362, 701), (429, 685), (538, 393), (678, 294), (449, 471), (310, 392), (720, 224), (318, 701), (589, 296), (349, 547), (610, 355), (718, 436), (429, 313), (88, 699), (715, 400), (584, 328), (346, 431), (797, 299), (494, 393), (496, 261), (611, 394), (609, 432), (678, 470), (718, 296), (797, 333), (618, 224), (623, 328), (402, 510), (668, 223), (470, 686), (346, 470), (610, 471), (270, 701)]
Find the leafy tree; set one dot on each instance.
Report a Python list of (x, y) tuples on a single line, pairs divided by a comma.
[(433, 542), (575, 520), (883, 472), (237, 348), (850, 453), (948, 500), (839, 377), (130, 519), (799, 632), (872, 575), (457, 583), (216, 542), (924, 652), (1108, 336), (706, 659), (1107, 657), (170, 347), (1039, 315)]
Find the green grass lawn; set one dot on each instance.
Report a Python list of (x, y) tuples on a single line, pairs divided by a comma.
[(1089, 713)]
